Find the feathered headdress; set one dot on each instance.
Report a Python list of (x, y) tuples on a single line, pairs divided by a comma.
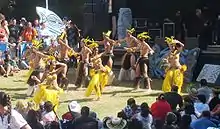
[(93, 45), (132, 30), (107, 34), (50, 59), (86, 40), (170, 41), (143, 35), (37, 44)]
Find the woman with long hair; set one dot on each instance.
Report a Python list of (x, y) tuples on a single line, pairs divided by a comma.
[(10, 118), (48, 89), (175, 71)]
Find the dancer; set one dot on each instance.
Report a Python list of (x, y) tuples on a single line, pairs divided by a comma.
[(37, 67), (175, 71), (82, 71), (48, 89), (128, 60), (142, 63), (99, 73), (109, 46)]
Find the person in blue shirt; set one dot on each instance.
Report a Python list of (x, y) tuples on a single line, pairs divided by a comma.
[(204, 122)]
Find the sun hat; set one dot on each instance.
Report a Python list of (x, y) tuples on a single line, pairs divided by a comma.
[(74, 106), (116, 123)]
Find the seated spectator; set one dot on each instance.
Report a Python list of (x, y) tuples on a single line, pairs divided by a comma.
[(2, 69), (201, 105), (170, 122), (74, 111), (4, 31), (94, 116), (173, 98), (116, 123), (178, 116), (205, 90), (188, 100), (84, 121), (33, 119), (193, 94), (131, 109), (144, 116), (189, 110), (10, 118), (135, 124), (159, 110), (185, 122), (216, 111), (215, 100), (21, 107), (49, 115), (8, 65), (204, 122)]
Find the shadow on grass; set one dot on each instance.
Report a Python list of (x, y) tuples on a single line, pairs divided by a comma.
[(18, 81), (116, 92), (78, 100), (18, 96), (139, 96), (13, 89)]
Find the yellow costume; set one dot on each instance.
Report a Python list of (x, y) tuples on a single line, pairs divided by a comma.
[(98, 82), (174, 76)]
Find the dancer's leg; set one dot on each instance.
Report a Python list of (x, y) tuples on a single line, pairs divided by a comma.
[(138, 77)]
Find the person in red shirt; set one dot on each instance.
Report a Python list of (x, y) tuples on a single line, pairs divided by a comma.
[(4, 32), (159, 110), (29, 33)]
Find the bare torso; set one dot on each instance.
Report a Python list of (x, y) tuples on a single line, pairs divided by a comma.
[(85, 54), (108, 47), (144, 51), (173, 60), (130, 42)]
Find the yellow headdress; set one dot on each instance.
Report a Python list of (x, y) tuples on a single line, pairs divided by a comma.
[(170, 41), (107, 34), (37, 44), (143, 35), (93, 45), (86, 40), (50, 58), (131, 30)]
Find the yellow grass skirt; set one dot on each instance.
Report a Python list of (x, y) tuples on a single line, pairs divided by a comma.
[(174, 77), (43, 94), (98, 82)]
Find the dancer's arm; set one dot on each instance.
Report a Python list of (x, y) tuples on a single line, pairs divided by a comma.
[(40, 53), (59, 70)]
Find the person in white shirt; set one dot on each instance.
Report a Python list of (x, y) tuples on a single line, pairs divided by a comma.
[(10, 119), (49, 115)]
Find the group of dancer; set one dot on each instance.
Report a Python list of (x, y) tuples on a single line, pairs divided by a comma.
[(48, 73)]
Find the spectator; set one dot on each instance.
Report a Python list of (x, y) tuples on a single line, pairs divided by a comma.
[(9, 117), (4, 31), (185, 122), (84, 121), (36, 25), (170, 122), (173, 98), (204, 122), (29, 33), (2, 69), (105, 119), (205, 90), (14, 30), (73, 35), (215, 100), (116, 123), (188, 100), (21, 107), (144, 116), (189, 110), (157, 112), (74, 111), (49, 115), (216, 111), (201, 105), (178, 116), (33, 119), (193, 94), (94, 116), (135, 124), (131, 109), (8, 65)]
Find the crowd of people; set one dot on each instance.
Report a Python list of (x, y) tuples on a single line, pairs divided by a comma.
[(198, 110), (47, 58)]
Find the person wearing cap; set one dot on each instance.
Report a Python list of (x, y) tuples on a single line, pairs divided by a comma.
[(142, 64), (116, 123), (108, 46), (128, 60), (174, 73), (74, 111)]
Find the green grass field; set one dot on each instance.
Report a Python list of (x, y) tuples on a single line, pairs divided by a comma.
[(113, 100)]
